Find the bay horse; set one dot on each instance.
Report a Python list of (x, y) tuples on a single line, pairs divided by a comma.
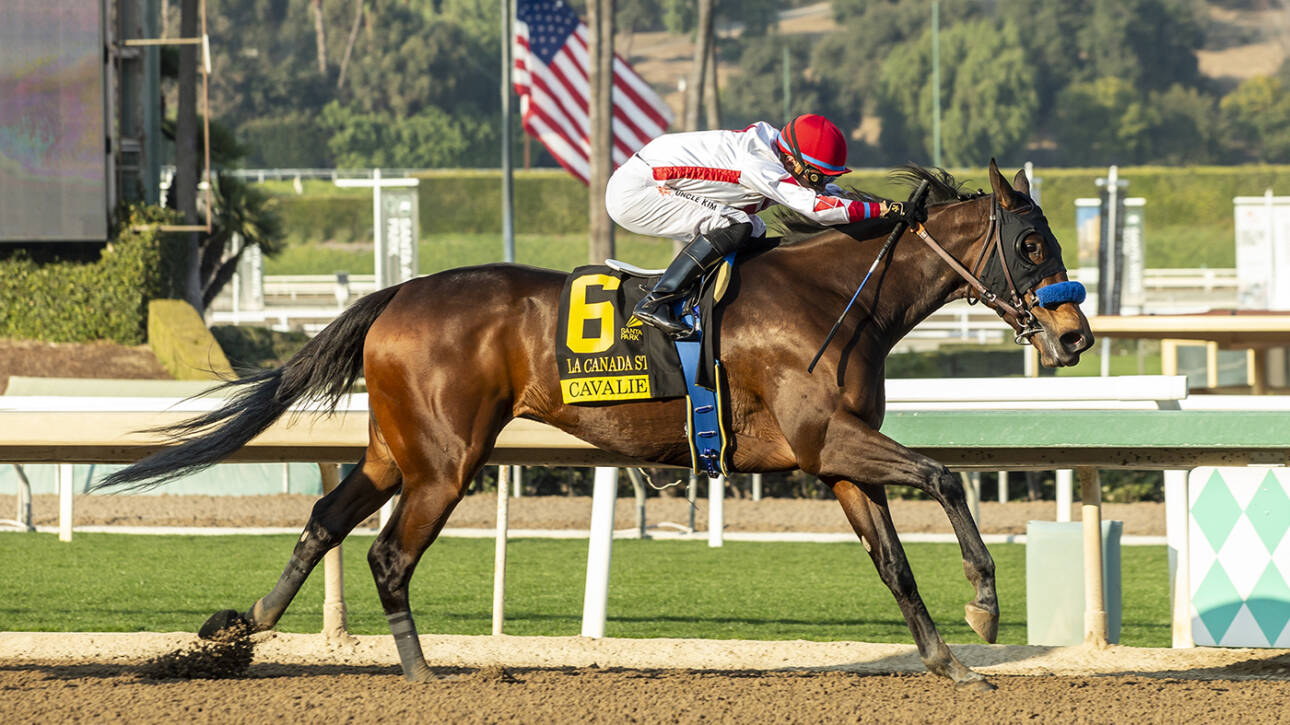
[(450, 358)]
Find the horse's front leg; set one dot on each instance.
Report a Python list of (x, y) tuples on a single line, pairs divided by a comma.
[(866, 508), (852, 451)]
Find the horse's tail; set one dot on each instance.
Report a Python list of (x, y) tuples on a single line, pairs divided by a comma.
[(323, 370)]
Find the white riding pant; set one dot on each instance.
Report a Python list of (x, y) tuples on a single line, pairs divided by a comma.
[(639, 203)]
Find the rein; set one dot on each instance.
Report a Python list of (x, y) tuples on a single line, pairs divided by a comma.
[(1018, 312)]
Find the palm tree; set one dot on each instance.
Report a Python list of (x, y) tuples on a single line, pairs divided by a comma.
[(243, 211)]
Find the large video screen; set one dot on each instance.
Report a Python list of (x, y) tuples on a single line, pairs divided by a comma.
[(53, 176)]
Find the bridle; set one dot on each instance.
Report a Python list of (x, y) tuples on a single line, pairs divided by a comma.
[(1017, 310)]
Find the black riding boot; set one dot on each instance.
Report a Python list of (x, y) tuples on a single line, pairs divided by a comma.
[(700, 255)]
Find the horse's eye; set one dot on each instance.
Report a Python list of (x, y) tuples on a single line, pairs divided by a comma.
[(1032, 249)]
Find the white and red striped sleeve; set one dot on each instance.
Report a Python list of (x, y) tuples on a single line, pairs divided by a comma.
[(826, 209)]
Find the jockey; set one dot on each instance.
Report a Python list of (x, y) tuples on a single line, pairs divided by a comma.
[(706, 187)]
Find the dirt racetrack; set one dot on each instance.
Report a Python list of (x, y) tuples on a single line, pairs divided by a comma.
[(301, 678)]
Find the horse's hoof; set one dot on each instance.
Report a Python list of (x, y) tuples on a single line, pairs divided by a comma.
[(981, 685), (421, 672), (984, 622), (223, 624)]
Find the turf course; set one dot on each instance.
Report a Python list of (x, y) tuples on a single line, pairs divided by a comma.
[(767, 591)]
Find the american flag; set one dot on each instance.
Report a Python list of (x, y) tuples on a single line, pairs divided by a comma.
[(551, 81)]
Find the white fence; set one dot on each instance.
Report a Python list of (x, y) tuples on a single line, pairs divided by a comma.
[(309, 301), (53, 429)]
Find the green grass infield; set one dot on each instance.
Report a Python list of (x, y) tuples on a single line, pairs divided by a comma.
[(758, 591)]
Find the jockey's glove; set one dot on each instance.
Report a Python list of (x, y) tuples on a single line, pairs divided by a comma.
[(902, 210)]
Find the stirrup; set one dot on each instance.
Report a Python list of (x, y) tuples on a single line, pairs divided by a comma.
[(660, 315)]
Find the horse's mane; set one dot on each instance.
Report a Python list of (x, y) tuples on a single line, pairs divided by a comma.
[(944, 189)]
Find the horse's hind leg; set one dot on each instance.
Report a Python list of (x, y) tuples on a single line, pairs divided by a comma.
[(417, 520), (866, 509), (363, 491), (439, 451)]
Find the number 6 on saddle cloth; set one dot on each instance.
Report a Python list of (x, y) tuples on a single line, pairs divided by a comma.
[(607, 356)]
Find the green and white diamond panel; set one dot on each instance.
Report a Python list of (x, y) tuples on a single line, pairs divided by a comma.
[(1240, 556)]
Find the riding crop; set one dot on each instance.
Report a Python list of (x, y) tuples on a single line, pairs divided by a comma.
[(915, 201)]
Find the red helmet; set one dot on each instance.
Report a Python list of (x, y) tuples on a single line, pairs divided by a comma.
[(816, 142)]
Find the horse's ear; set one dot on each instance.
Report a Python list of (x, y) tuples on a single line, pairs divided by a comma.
[(1008, 198), (1021, 183)]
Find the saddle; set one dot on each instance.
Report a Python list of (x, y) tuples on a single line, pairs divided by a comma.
[(607, 356)]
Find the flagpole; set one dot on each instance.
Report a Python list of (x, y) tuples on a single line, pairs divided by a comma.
[(508, 201)]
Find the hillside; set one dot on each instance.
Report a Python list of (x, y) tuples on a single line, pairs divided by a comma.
[(1239, 44), (1242, 44)]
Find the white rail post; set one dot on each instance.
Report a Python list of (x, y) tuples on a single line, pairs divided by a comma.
[(638, 488), (499, 556), (691, 493), (756, 487), (716, 511), (1095, 627), (386, 512), (1064, 494), (1177, 499), (334, 614), (972, 492), (1003, 487), (595, 601), (66, 502), (24, 499)]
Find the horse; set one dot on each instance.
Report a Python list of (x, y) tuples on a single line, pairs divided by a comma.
[(450, 358)]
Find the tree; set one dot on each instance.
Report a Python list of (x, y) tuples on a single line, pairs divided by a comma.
[(703, 39), (1151, 44), (638, 16), (1257, 115), (680, 17), (846, 65), (1189, 127), (430, 138), (404, 64), (266, 59), (1103, 122), (320, 35), (246, 212), (1050, 30), (349, 43), (237, 209), (758, 94), (988, 94)]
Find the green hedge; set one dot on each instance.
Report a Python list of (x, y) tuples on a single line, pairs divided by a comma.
[(293, 141), (960, 361), (1189, 217), (102, 300), (455, 201), (308, 219)]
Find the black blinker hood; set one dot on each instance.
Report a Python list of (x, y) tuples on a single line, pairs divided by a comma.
[(1013, 229)]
